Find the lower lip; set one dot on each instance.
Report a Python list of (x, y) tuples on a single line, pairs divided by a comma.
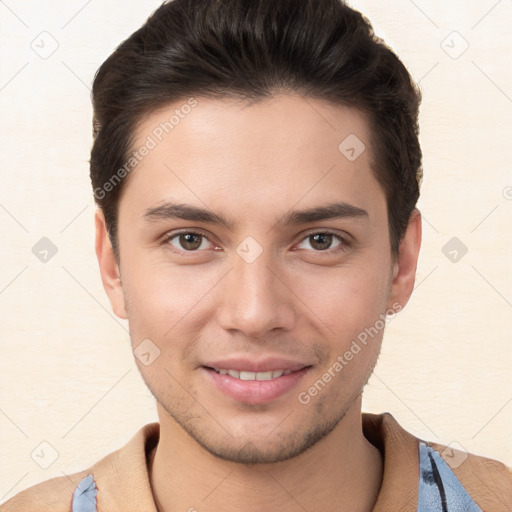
[(255, 391)]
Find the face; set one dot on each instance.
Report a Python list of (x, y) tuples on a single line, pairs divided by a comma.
[(251, 245)]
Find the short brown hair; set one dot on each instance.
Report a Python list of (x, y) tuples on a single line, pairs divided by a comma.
[(250, 50)]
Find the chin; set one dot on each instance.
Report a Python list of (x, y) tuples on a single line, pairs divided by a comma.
[(277, 446)]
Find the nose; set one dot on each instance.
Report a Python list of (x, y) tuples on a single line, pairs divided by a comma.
[(256, 299)]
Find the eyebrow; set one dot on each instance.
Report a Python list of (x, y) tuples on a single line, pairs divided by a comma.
[(170, 210)]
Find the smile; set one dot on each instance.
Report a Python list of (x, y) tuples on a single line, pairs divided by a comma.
[(244, 375), (255, 387)]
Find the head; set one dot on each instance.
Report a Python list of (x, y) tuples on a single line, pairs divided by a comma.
[(256, 167)]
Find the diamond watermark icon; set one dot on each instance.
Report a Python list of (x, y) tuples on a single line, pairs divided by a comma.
[(44, 455), (45, 45), (44, 250), (146, 352), (249, 250), (352, 147), (454, 454), (454, 250), (454, 45)]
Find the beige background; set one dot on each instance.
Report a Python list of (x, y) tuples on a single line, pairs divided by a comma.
[(66, 372)]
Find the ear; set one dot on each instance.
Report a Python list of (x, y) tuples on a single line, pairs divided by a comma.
[(404, 266), (109, 268)]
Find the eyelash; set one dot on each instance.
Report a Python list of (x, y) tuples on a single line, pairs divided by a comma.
[(343, 246)]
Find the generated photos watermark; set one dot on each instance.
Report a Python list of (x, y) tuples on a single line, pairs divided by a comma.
[(157, 135), (344, 359)]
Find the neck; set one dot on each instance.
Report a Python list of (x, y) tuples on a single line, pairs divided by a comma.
[(343, 471)]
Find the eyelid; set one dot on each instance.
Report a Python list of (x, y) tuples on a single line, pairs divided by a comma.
[(326, 231)]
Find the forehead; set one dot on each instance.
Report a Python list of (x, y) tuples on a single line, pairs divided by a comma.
[(272, 154)]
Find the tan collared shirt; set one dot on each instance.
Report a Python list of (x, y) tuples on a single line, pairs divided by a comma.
[(417, 477)]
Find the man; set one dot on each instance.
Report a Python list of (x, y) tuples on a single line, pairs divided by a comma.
[(257, 167)]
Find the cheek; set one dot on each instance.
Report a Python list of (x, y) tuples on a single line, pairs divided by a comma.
[(348, 298), (162, 300), (159, 310)]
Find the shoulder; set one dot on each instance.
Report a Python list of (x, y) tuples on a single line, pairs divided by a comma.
[(120, 478), (54, 495), (434, 476), (487, 481)]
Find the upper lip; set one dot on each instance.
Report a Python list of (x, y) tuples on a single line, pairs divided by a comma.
[(267, 364)]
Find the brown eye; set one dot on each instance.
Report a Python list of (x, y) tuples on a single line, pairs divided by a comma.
[(321, 241), (324, 241), (188, 241)]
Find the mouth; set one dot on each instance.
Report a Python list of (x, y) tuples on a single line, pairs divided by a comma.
[(245, 375), (255, 387)]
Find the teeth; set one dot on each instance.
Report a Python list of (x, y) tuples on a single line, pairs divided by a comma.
[(243, 375)]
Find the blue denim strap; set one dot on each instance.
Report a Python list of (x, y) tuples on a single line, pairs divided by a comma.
[(84, 497), (439, 489)]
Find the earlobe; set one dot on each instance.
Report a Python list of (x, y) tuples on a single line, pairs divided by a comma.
[(404, 270), (109, 268)]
